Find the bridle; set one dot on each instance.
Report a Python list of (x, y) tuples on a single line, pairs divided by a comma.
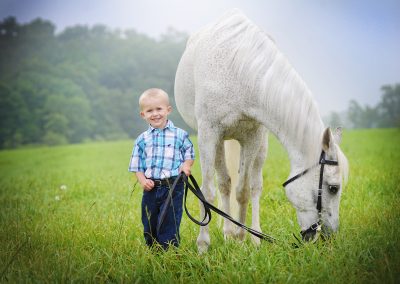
[(316, 227)]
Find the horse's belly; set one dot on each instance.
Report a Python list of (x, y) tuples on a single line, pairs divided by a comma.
[(241, 129)]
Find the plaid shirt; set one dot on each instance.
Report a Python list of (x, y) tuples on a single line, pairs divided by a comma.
[(159, 153)]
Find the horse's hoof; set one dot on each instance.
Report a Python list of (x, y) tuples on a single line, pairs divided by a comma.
[(203, 242), (240, 234), (202, 247), (229, 234), (256, 241)]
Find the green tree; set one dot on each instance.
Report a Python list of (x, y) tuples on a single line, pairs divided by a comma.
[(82, 83), (389, 107), (362, 117), (12, 117)]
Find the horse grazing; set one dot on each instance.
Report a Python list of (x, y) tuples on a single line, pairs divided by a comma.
[(232, 83)]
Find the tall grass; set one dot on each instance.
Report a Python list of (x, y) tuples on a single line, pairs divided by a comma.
[(72, 213)]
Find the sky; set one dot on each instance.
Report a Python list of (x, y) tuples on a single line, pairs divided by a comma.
[(344, 50)]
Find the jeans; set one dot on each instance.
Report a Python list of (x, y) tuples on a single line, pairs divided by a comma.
[(153, 202)]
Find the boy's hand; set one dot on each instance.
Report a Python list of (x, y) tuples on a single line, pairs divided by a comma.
[(186, 167), (147, 184), (186, 170)]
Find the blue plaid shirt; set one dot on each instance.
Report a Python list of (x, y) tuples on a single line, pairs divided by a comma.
[(159, 153)]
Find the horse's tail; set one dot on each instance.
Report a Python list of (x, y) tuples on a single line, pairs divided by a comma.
[(232, 154)]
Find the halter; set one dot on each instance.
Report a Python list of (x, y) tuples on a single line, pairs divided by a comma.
[(315, 227)]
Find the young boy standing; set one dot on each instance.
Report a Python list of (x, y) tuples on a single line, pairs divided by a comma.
[(160, 154)]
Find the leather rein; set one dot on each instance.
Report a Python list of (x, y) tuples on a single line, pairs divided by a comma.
[(191, 184)]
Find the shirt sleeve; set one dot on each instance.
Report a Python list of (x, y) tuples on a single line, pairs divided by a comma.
[(188, 149), (137, 162)]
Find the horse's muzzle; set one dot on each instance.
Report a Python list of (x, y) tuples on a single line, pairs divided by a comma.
[(313, 235)]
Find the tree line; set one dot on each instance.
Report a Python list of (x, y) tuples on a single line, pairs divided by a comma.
[(83, 83), (385, 114)]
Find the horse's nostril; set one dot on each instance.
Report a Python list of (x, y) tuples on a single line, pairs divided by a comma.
[(308, 236)]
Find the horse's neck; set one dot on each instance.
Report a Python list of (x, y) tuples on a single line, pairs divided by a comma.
[(292, 115), (302, 154)]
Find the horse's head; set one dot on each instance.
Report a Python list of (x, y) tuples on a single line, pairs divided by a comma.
[(327, 178)]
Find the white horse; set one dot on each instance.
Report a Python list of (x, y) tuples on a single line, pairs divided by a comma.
[(233, 83)]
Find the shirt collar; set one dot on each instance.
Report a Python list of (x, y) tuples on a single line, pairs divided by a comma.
[(169, 125)]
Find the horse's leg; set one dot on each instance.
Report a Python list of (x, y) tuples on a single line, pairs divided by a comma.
[(224, 186), (248, 156), (207, 140), (243, 189), (256, 183)]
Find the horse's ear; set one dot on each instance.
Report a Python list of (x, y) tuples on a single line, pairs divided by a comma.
[(327, 140), (337, 135)]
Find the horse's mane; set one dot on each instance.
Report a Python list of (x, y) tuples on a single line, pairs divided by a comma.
[(265, 72)]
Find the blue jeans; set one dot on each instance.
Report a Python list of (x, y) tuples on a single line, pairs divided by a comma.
[(153, 203)]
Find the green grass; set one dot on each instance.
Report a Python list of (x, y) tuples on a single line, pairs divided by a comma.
[(91, 232)]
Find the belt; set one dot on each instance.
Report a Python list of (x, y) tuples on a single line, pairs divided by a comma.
[(164, 182)]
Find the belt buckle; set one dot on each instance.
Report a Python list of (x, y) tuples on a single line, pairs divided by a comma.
[(157, 182)]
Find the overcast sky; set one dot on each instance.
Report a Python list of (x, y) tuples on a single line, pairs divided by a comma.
[(343, 49)]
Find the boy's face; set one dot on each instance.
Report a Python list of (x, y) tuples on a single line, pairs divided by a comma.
[(155, 111)]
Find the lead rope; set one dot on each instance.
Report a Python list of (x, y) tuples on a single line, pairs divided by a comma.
[(316, 227), (195, 189)]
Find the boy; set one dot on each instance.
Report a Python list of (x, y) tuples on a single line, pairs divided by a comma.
[(160, 154)]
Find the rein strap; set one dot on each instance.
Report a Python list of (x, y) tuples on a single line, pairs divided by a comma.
[(195, 189), (207, 206)]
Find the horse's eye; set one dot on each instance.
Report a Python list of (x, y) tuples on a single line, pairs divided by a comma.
[(333, 188)]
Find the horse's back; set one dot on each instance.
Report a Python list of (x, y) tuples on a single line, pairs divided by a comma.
[(203, 73), (184, 88), (206, 85)]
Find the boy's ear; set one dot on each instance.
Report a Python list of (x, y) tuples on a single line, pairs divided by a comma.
[(142, 114), (169, 108)]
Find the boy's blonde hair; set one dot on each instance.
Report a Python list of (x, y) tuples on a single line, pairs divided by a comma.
[(153, 92)]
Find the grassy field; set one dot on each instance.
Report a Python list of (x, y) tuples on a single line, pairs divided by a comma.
[(72, 213)]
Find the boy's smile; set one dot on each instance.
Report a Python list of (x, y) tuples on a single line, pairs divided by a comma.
[(155, 111)]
